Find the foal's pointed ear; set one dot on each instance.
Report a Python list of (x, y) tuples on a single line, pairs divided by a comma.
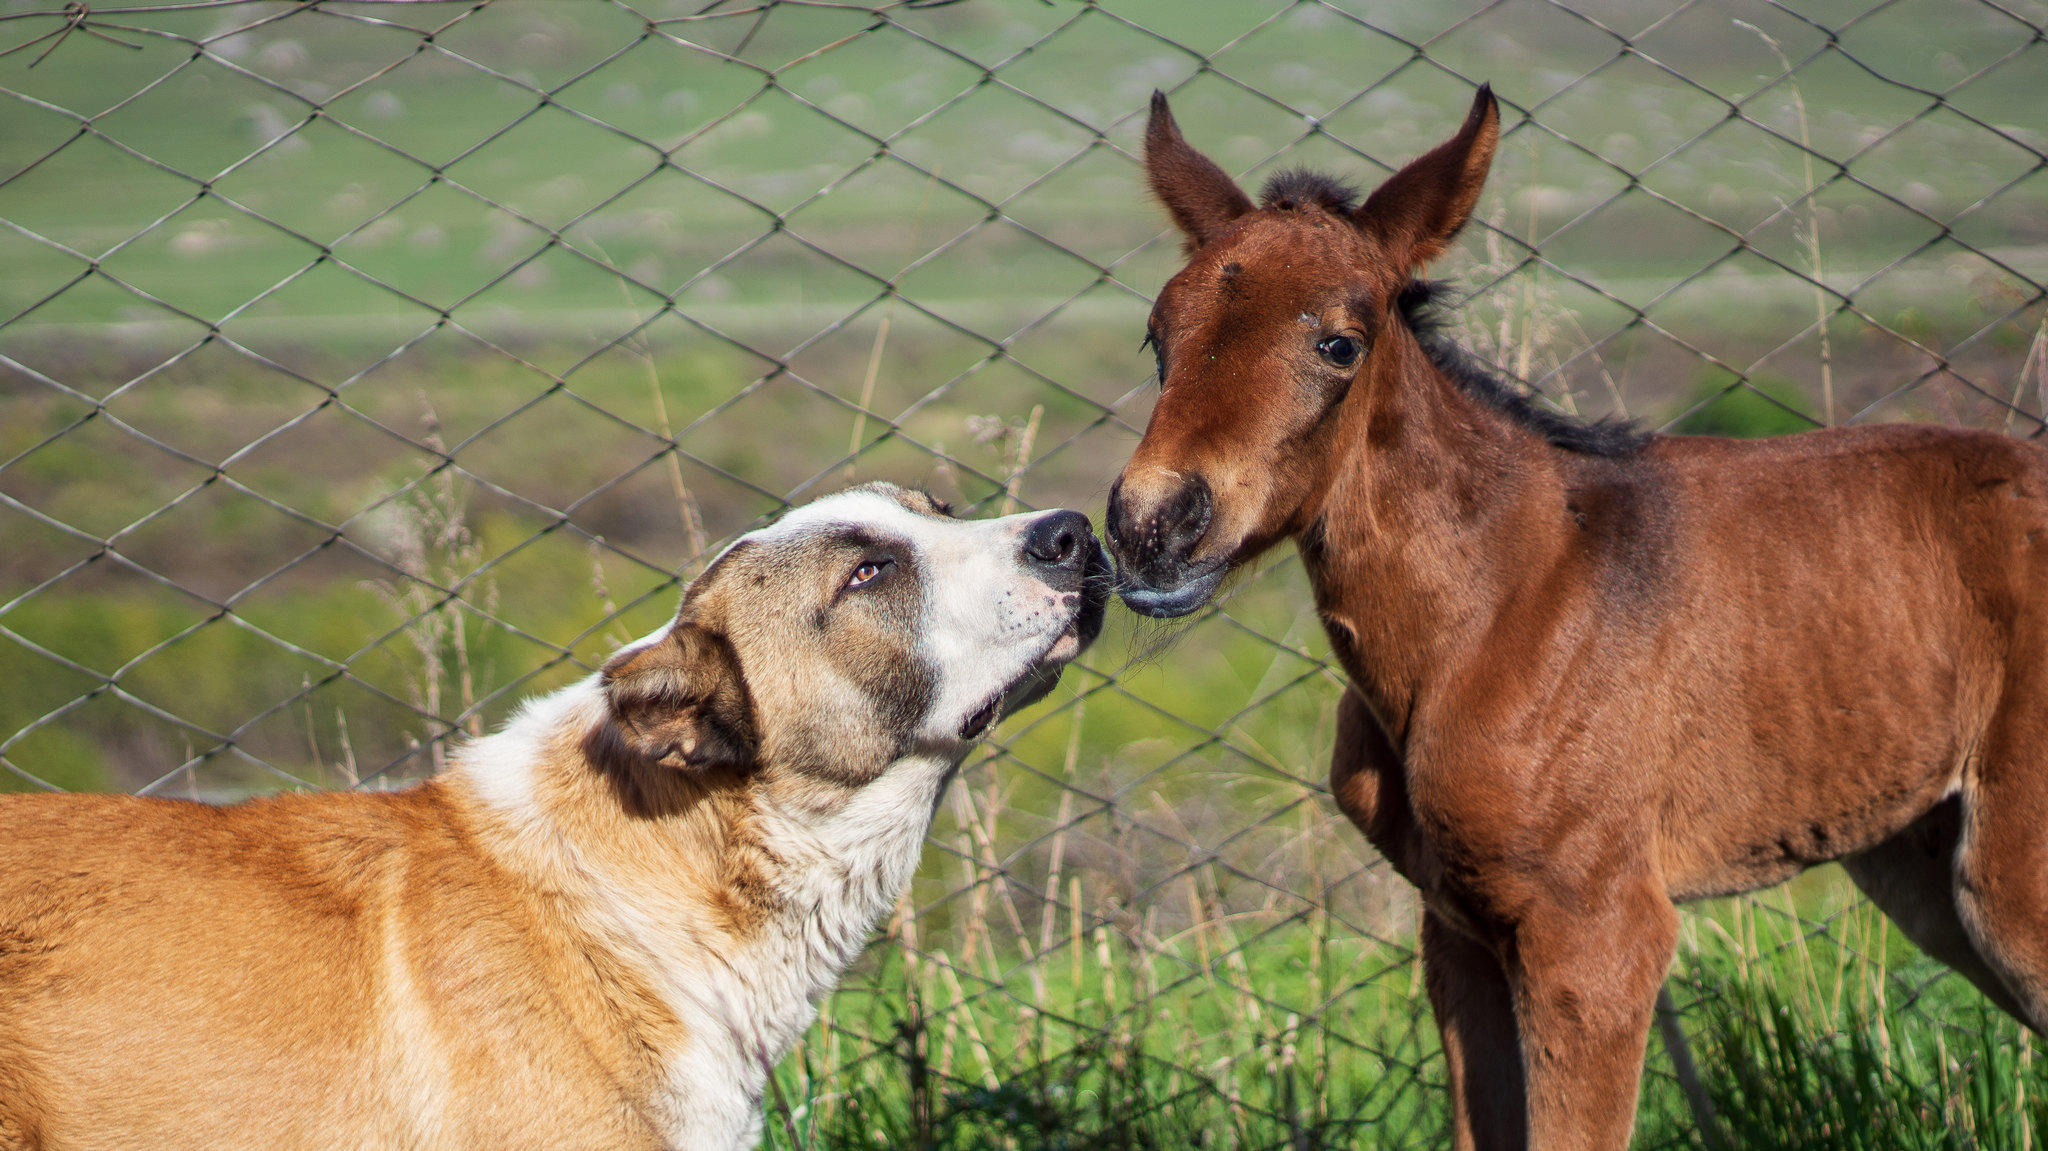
[(1202, 199), (679, 702), (1417, 211)]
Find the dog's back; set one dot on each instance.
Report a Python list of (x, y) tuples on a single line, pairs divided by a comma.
[(345, 956)]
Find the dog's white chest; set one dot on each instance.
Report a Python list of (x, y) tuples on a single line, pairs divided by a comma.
[(745, 1011)]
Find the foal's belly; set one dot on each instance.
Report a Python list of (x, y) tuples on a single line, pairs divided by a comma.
[(1773, 855), (1836, 679), (1759, 814)]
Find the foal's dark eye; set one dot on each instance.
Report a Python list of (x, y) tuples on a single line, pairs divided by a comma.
[(1339, 351), (868, 572)]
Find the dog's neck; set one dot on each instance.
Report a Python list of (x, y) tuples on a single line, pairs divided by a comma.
[(738, 903)]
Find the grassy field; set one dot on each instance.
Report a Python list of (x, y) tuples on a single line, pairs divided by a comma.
[(326, 436), (1298, 1031), (786, 201)]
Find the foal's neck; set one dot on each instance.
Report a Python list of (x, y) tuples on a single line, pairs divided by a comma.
[(1437, 516)]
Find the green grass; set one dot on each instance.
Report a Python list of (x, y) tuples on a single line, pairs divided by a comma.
[(1824, 1047), (1296, 1031), (1782, 1080)]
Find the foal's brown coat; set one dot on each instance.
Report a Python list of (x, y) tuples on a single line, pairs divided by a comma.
[(1593, 672)]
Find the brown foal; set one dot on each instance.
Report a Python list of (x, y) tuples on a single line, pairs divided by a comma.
[(1593, 672)]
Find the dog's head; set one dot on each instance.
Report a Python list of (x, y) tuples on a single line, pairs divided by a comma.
[(857, 630)]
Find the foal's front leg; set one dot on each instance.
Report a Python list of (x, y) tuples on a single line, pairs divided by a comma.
[(1475, 1015), (1475, 1012), (1585, 973)]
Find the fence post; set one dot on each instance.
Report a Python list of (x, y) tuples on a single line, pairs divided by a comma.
[(1688, 1072)]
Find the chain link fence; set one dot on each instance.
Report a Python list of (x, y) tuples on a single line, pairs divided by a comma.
[(368, 367)]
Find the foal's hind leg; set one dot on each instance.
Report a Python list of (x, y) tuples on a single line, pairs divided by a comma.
[(2001, 872), (1912, 878)]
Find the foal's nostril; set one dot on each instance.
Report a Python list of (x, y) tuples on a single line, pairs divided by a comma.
[(1159, 527), (1055, 540), (1185, 517)]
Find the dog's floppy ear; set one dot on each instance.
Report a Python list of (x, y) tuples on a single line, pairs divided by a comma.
[(680, 701)]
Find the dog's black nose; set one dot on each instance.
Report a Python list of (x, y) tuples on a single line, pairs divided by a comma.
[(1058, 540)]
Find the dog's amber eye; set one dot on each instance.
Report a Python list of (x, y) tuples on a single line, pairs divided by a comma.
[(868, 572)]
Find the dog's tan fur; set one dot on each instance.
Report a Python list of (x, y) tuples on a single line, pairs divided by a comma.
[(324, 966), (598, 929)]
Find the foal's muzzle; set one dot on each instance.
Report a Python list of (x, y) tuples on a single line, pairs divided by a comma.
[(1153, 537)]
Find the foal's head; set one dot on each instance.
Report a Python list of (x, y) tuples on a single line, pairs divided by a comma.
[(1286, 311)]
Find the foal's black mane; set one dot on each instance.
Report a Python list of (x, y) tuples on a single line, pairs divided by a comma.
[(1423, 306), (1300, 189)]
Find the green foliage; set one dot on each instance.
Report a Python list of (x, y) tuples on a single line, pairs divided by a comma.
[(1120, 1047), (64, 759), (1842, 1039), (1781, 1078), (1763, 406), (1060, 1064), (1890, 1082)]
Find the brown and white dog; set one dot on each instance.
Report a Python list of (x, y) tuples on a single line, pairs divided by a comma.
[(600, 928)]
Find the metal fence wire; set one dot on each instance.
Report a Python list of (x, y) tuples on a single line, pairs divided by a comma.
[(368, 367)]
